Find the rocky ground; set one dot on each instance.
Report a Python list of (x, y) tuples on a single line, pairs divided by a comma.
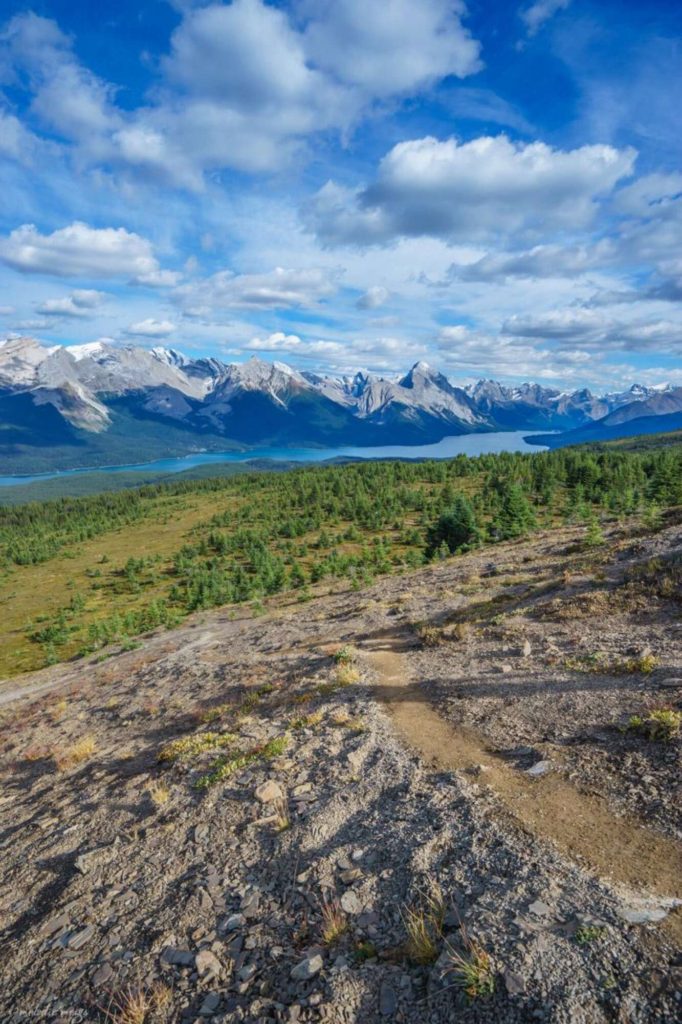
[(418, 803)]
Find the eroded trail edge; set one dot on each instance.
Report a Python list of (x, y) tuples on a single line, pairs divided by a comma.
[(581, 825)]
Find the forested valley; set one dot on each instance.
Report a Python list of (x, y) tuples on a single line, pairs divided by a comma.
[(80, 574)]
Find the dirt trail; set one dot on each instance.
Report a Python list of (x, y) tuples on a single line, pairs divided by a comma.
[(579, 824)]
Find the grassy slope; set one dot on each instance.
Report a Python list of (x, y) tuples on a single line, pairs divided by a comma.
[(31, 595)]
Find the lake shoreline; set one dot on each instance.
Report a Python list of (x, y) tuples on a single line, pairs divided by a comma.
[(448, 447)]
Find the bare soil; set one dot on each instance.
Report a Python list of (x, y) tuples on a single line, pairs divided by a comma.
[(404, 781)]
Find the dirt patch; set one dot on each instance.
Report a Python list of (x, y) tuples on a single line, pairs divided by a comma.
[(580, 824)]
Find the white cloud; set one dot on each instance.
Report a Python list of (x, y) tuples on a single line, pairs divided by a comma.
[(485, 187), (559, 324), (652, 194), (151, 328), (652, 228), (80, 303), (382, 353), (278, 341), (535, 16), (68, 99), (244, 84), (281, 288), (392, 47), (540, 261), (79, 251), (16, 141), (245, 55), (470, 352), (594, 331), (374, 297), (478, 104), (158, 279)]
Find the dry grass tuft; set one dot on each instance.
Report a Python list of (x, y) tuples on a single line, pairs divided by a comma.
[(58, 710), (460, 631), (644, 665), (334, 921), (347, 675), (472, 969), (280, 808), (355, 724), (76, 754), (159, 793), (188, 747), (214, 713), (342, 719), (306, 721), (430, 636), (424, 925), (138, 1005)]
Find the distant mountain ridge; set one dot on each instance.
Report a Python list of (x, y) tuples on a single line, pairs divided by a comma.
[(98, 398)]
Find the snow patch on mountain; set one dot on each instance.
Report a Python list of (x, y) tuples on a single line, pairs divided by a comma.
[(81, 381)]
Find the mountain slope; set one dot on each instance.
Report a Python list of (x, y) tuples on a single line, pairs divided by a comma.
[(228, 804), (100, 403), (656, 413)]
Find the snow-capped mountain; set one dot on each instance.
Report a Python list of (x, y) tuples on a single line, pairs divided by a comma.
[(421, 393), (100, 388), (534, 406)]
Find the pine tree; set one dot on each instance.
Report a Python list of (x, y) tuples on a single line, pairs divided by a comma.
[(652, 517), (515, 517), (454, 529), (594, 537)]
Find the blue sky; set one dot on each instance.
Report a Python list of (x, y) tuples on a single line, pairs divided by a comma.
[(493, 187)]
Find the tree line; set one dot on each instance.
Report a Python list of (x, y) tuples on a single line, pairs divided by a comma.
[(275, 532)]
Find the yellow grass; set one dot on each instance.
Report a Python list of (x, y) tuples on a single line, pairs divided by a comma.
[(80, 751)]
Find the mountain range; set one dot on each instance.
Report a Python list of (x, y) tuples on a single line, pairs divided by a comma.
[(101, 403)]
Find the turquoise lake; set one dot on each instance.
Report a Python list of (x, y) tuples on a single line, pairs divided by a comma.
[(466, 444)]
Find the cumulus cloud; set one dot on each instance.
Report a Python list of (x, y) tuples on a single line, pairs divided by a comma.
[(535, 16), (278, 341), (374, 297), (244, 83), (281, 288), (80, 303), (488, 186), (78, 251), (150, 328), (392, 47)]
